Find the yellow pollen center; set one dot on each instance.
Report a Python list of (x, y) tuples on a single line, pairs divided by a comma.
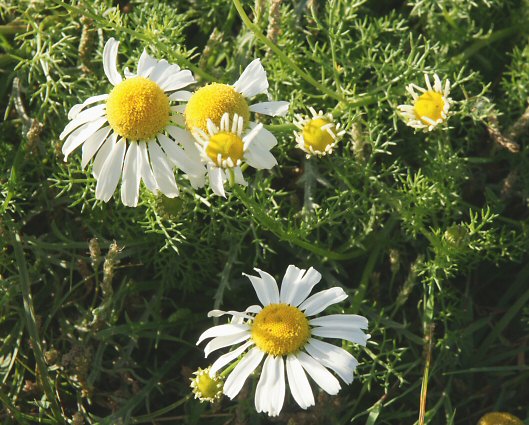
[(208, 387), (280, 329), (212, 101), (228, 146), (138, 109), (429, 105), (315, 137)]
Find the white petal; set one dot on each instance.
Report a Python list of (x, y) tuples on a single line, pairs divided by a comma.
[(146, 64), (111, 171), (321, 300), (259, 158), (87, 115), (270, 391), (228, 357), (179, 157), (225, 341), (300, 289), (167, 75), (239, 178), (238, 376), (76, 109), (265, 288), (222, 330), (103, 154), (158, 71), (274, 109), (130, 184), (128, 73), (110, 54), (178, 81), (335, 358), (298, 383), (181, 96), (79, 135), (253, 80), (264, 138), (354, 335), (145, 167), (186, 139), (292, 276), (93, 143), (216, 180), (345, 321), (321, 376), (162, 171)]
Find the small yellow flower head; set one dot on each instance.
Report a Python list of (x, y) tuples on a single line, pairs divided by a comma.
[(430, 108), (499, 418), (207, 387), (318, 134)]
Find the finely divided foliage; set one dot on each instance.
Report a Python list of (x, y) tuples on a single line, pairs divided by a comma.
[(416, 216)]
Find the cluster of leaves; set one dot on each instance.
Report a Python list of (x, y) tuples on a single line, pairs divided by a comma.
[(427, 232)]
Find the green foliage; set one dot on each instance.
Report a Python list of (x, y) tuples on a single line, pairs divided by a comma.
[(427, 232)]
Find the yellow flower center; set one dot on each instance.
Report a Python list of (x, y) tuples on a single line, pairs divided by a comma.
[(499, 418), (207, 387), (315, 137), (224, 146), (429, 105), (280, 329), (137, 109), (212, 101)]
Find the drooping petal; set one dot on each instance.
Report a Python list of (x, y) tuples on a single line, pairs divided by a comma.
[(321, 300), (274, 109), (335, 358), (298, 383), (79, 136), (76, 109), (187, 141), (270, 391), (354, 335), (93, 143), (179, 157), (110, 55), (253, 80), (239, 178), (145, 167), (111, 171), (321, 376), (344, 321), (163, 173), (103, 153), (85, 116), (238, 376), (216, 180), (225, 341), (130, 185), (229, 357)]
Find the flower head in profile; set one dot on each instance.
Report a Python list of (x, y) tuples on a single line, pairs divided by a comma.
[(212, 101), (318, 133), (430, 105), (132, 131), (286, 332), (207, 386), (227, 148)]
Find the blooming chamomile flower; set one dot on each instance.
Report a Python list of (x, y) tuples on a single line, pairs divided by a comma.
[(212, 101), (227, 147), (206, 386), (131, 131), (429, 108), (318, 133), (287, 334)]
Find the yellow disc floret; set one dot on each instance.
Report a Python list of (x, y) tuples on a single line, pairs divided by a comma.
[(430, 105), (211, 102), (280, 329), (205, 387), (317, 138), (225, 149), (499, 418), (138, 109)]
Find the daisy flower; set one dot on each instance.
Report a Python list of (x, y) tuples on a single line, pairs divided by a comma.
[(430, 107), (212, 101), (132, 132), (286, 334), (226, 148), (318, 133), (206, 386)]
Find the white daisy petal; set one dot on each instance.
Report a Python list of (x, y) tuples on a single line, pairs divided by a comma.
[(93, 143), (264, 138), (87, 115), (159, 70), (302, 288), (223, 330), (179, 158), (102, 154), (178, 81), (238, 376), (298, 383), (229, 357), (335, 358), (239, 178), (274, 109), (354, 335), (225, 341), (130, 185), (163, 173), (110, 54), (76, 109), (145, 168), (270, 391), (111, 171), (265, 287), (216, 181), (253, 80), (167, 74), (292, 276), (321, 376), (184, 138), (345, 321), (259, 158), (146, 64), (79, 136), (181, 96), (321, 300)]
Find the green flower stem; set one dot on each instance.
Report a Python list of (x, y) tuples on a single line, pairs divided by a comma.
[(160, 46), (31, 324), (281, 128), (148, 419), (12, 29), (264, 219)]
